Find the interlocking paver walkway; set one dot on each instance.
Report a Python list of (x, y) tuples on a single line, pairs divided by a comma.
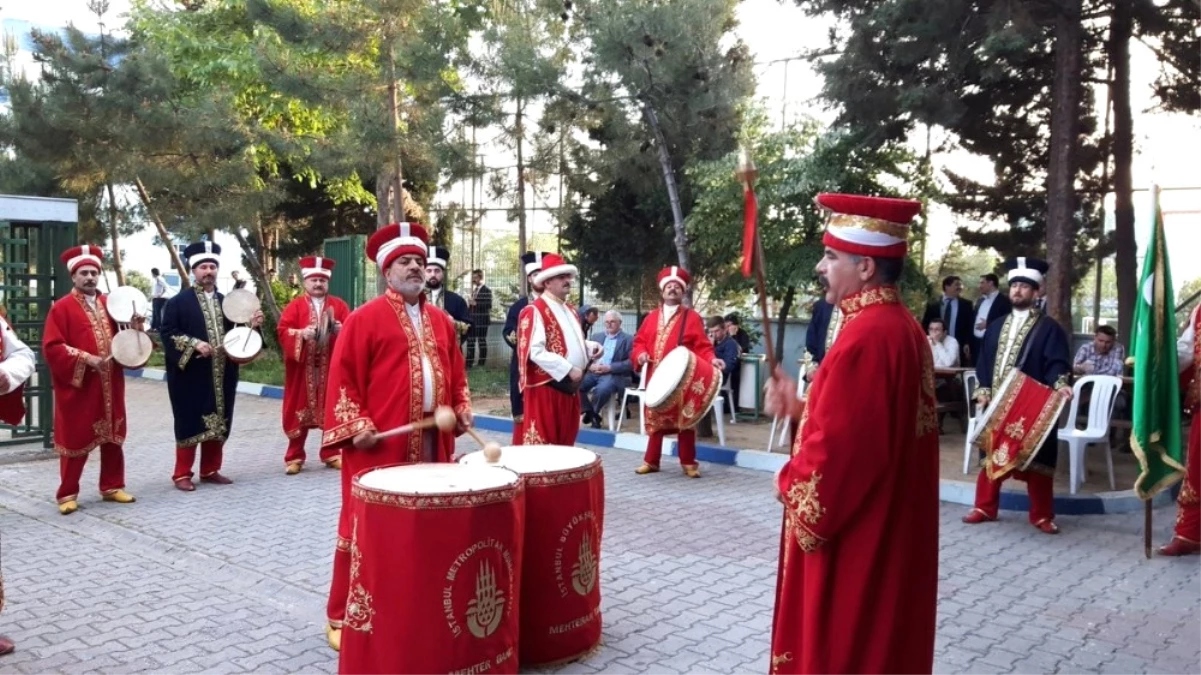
[(232, 579)]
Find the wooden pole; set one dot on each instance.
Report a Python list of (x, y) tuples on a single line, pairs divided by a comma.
[(1147, 528), (747, 173)]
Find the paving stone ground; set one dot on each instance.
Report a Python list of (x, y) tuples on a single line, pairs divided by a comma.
[(233, 579)]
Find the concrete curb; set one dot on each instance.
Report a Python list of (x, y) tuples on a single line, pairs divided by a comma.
[(950, 490)]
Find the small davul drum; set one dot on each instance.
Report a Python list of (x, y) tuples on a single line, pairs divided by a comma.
[(681, 390), (126, 302), (240, 305), (242, 344), (435, 571), (132, 348), (560, 576)]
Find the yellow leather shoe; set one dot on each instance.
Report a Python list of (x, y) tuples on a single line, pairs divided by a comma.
[(292, 469), (68, 507), (334, 637), (692, 471), (645, 469), (335, 464), (119, 496)]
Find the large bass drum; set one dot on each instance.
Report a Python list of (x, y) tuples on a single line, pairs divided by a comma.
[(435, 571), (681, 390)]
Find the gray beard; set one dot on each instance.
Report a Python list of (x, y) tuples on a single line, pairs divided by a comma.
[(409, 289)]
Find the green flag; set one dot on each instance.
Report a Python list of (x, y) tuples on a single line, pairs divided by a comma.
[(1155, 438)]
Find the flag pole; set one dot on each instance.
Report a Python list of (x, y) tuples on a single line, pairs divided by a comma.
[(747, 173), (1147, 528)]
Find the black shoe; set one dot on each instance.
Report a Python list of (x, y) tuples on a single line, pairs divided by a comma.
[(596, 423), (588, 417)]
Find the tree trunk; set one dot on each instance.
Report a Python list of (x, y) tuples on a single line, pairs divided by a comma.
[(114, 234), (398, 199), (184, 281), (519, 133), (1061, 172), (785, 308), (259, 273), (1120, 28), (673, 195)]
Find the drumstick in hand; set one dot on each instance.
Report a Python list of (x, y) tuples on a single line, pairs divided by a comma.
[(444, 419)]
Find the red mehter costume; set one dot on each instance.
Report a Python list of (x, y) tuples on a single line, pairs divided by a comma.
[(661, 331), (306, 362), (859, 551), (550, 342), (1187, 539), (89, 404), (17, 363), (394, 364)]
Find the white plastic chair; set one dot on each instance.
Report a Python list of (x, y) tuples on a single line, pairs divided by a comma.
[(801, 386), (1096, 431), (971, 382), (718, 412), (638, 393), (727, 392)]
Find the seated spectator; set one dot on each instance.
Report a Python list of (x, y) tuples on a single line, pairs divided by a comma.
[(726, 349), (610, 374), (944, 347), (1102, 356)]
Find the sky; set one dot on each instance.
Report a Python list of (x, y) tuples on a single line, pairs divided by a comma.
[(775, 32)]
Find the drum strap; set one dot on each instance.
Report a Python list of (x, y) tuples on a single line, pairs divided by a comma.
[(1029, 342), (683, 319)]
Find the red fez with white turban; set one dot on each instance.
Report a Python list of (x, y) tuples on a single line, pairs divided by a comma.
[(78, 256), (395, 240), (553, 265), (871, 226), (316, 266), (676, 274)]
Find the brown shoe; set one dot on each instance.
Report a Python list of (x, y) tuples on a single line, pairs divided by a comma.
[(645, 469), (216, 478), (692, 471), (293, 469), (1047, 526), (976, 516), (1179, 547), (6, 646), (335, 463), (185, 484)]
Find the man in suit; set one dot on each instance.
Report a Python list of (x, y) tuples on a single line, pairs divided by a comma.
[(611, 373), (442, 297), (956, 314), (990, 306), (480, 304)]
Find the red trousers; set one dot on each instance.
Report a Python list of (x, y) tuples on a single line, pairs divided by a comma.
[(687, 448), (1188, 515), (551, 417), (210, 459), (295, 453), (1039, 486), (112, 472), (518, 430)]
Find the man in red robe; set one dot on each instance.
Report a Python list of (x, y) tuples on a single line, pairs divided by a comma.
[(664, 329), (1187, 538), (308, 330), (552, 356), (858, 577), (397, 360), (89, 387), (17, 365)]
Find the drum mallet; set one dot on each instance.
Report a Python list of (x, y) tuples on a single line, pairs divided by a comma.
[(444, 419), (491, 448)]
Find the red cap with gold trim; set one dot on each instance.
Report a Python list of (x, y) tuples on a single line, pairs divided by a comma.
[(392, 241), (553, 265), (78, 256), (676, 274), (871, 226), (316, 266)]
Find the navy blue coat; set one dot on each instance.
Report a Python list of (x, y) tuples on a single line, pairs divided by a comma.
[(454, 305), (516, 400), (819, 325), (202, 390), (1048, 360)]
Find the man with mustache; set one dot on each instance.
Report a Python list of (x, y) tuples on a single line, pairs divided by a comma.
[(671, 325), (552, 356), (89, 387), (397, 359), (201, 381), (531, 262), (307, 333)]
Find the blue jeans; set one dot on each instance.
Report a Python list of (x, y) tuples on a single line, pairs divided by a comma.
[(605, 387)]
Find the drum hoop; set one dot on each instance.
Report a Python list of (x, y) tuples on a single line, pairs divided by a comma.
[(436, 502), (564, 476), (684, 376), (678, 391), (240, 293)]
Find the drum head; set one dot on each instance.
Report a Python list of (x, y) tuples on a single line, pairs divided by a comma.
[(243, 343), (536, 458), (124, 302), (240, 305), (436, 479), (667, 376), (132, 348)]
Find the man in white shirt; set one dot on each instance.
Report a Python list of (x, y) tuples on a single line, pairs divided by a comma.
[(158, 295), (990, 306), (552, 356), (944, 347)]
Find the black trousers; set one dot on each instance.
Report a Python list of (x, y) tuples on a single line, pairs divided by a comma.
[(156, 312), (477, 333)]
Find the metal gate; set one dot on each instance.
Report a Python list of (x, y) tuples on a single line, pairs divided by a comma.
[(31, 278), (353, 279)]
